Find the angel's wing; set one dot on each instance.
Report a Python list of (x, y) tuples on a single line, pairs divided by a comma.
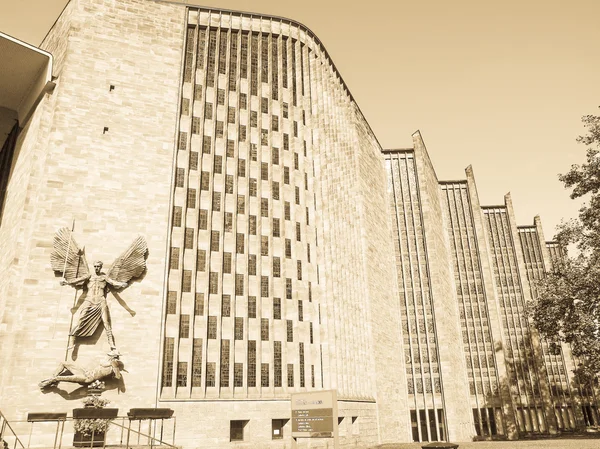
[(131, 263), (66, 257)]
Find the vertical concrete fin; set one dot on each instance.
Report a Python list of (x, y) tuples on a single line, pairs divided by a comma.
[(493, 303), (538, 357)]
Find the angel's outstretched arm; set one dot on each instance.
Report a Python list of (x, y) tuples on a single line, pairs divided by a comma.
[(116, 284), (123, 304), (76, 282)]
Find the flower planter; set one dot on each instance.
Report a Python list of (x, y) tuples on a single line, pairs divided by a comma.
[(94, 440)]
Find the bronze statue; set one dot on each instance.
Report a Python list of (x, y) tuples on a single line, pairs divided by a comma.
[(71, 372), (69, 260)]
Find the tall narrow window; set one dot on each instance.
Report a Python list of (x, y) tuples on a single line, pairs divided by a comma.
[(226, 306), (222, 51), (212, 327), (286, 210), (252, 187), (214, 240), (290, 331), (244, 56), (180, 177), (227, 263), (264, 329), (224, 363), (216, 201), (218, 166), (212, 49), (189, 238), (252, 363), (193, 160), (274, 71), (213, 283), (203, 219), (184, 326), (174, 258), (197, 363), (264, 286), (277, 364), (252, 307), (264, 374), (284, 61), (199, 304), (182, 141), (167, 374), (254, 64), (241, 204), (186, 285), (211, 370), (290, 375), (177, 216), (191, 198), (189, 54), (302, 379), (288, 248), (276, 308), (238, 374), (205, 181), (182, 374), (239, 243), (228, 183), (239, 284), (171, 302), (233, 51), (239, 328), (228, 222), (196, 125)]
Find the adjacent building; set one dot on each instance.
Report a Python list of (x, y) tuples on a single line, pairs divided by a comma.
[(288, 251)]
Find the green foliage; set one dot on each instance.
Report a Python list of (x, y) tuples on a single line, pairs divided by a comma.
[(568, 305), (88, 426)]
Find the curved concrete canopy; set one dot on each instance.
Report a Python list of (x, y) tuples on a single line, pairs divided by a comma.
[(25, 75)]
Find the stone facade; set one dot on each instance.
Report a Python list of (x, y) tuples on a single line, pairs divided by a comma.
[(288, 252)]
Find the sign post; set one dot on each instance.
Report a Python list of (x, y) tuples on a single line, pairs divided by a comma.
[(315, 415)]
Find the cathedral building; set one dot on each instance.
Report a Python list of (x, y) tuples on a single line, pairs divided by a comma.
[(286, 250)]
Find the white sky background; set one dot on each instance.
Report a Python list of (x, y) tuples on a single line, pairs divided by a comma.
[(500, 85)]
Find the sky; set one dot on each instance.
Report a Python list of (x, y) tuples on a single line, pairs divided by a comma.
[(499, 85)]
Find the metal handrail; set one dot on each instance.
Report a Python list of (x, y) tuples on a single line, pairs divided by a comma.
[(150, 437), (4, 424), (152, 440)]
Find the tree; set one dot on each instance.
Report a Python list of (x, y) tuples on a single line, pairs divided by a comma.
[(567, 307)]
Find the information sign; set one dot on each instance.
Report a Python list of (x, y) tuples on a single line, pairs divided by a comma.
[(314, 414)]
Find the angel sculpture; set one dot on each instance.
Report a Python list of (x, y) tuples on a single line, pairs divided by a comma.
[(69, 260)]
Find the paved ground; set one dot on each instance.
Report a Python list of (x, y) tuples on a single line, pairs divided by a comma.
[(553, 443)]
